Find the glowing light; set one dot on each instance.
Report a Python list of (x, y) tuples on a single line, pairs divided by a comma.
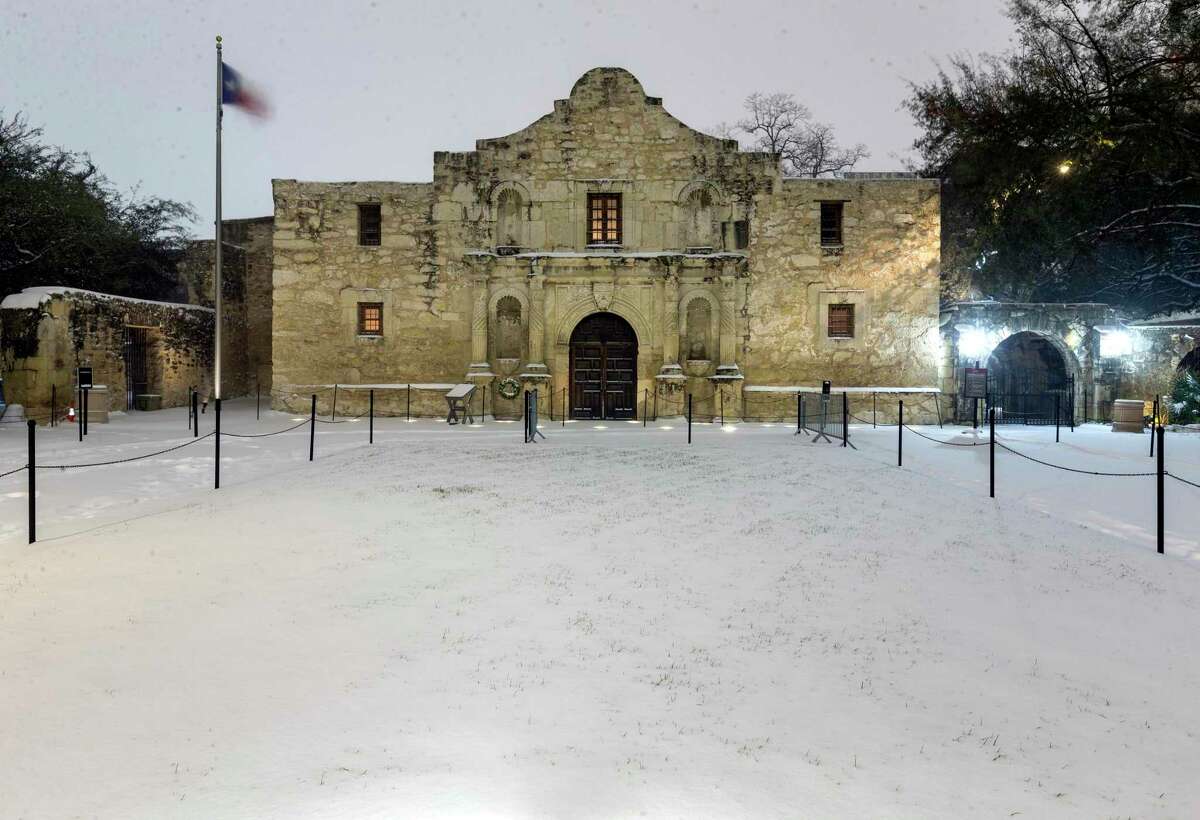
[(666, 427), (632, 421), (1115, 343), (599, 427), (974, 342), (1065, 167), (729, 428)]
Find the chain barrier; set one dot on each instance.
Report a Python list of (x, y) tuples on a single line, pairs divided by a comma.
[(1071, 469), (265, 435), (10, 472), (1172, 475), (951, 443), (187, 443)]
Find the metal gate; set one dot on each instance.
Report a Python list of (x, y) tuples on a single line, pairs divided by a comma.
[(1029, 398), (137, 373)]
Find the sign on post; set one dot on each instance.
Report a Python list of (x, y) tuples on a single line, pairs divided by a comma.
[(975, 384), (84, 377)]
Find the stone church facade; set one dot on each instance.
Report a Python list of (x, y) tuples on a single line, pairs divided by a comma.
[(611, 255)]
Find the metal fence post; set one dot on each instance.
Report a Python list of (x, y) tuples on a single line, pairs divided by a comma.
[(564, 413), (874, 411), (1153, 425), (195, 414), (1161, 471), (371, 416), (32, 456), (312, 427), (79, 419), (85, 410), (991, 452), (1057, 417), (333, 416), (189, 405), (645, 405), (408, 403), (53, 402), (900, 437), (257, 399), (689, 418), (217, 450), (798, 410)]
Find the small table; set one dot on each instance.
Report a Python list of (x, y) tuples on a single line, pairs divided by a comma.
[(458, 402)]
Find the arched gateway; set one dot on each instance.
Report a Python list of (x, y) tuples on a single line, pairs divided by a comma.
[(603, 368), (1028, 377)]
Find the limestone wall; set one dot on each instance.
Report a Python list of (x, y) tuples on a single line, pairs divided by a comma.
[(1158, 348), (888, 268), (46, 333)]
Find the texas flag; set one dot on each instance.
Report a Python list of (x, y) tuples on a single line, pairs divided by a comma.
[(235, 91)]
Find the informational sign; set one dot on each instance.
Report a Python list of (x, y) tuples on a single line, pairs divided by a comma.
[(85, 377), (975, 383), (826, 386)]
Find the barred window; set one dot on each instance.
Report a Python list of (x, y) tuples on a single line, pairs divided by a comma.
[(741, 234), (604, 219), (841, 321), (831, 224), (370, 318), (370, 224)]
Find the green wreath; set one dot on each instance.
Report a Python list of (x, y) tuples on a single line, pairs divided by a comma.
[(509, 388)]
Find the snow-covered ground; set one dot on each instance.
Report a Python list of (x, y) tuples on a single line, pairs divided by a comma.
[(606, 624)]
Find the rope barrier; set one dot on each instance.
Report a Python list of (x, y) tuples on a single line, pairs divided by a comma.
[(1172, 475), (1071, 469), (187, 443)]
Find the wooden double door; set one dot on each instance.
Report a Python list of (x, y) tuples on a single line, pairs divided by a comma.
[(603, 368)]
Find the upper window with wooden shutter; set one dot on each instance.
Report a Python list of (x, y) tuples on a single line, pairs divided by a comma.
[(370, 224), (604, 219), (841, 321)]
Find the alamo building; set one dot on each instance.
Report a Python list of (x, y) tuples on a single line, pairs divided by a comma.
[(608, 254)]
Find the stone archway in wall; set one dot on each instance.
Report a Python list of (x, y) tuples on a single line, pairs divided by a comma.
[(1031, 374), (603, 368)]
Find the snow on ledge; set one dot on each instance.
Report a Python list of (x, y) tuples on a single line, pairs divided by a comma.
[(784, 388), (37, 296), (300, 388)]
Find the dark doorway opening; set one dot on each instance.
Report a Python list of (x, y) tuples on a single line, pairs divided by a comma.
[(1028, 379), (137, 367), (603, 368)]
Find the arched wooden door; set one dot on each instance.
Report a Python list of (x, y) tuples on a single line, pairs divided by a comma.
[(603, 368)]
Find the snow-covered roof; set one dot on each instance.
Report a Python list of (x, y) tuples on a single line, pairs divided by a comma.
[(37, 296)]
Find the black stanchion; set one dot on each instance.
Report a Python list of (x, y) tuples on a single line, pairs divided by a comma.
[(798, 411), (371, 416), (991, 452), (564, 415), (645, 405), (722, 407), (1153, 426), (333, 417), (79, 420), (483, 408), (408, 402), (191, 392), (1161, 471), (217, 446), (85, 410), (195, 414), (900, 437), (1057, 417), (845, 421), (257, 399), (874, 412), (33, 484), (53, 402), (1085, 407), (656, 403), (312, 427), (689, 418), (1071, 405), (937, 404)]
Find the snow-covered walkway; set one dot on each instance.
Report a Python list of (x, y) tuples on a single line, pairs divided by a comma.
[(606, 624)]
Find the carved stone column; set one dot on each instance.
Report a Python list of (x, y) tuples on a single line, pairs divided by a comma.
[(728, 359), (537, 321), (479, 327), (671, 321)]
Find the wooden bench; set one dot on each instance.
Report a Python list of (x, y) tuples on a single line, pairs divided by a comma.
[(458, 403)]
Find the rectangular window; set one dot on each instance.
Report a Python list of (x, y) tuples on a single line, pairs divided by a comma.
[(841, 321), (370, 224), (370, 318), (741, 234), (604, 219), (831, 224)]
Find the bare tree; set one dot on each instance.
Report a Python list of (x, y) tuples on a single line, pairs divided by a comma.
[(780, 124)]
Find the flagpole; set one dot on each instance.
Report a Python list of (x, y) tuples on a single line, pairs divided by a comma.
[(217, 239)]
